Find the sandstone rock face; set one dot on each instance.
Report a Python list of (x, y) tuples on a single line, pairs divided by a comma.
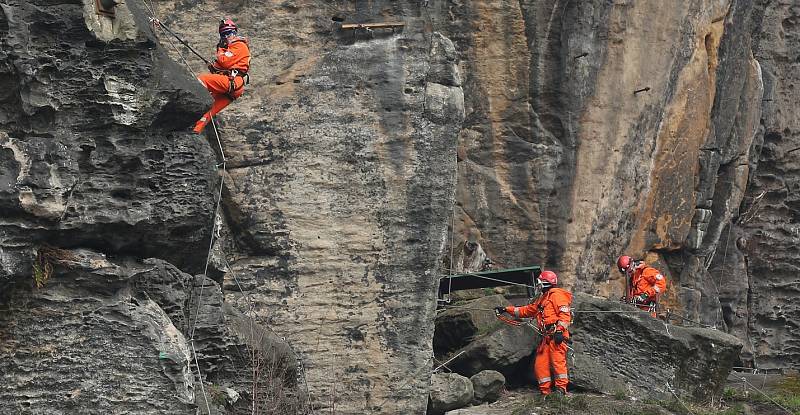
[(343, 159), (340, 180), (90, 342), (641, 356), (763, 245), (593, 130), (105, 336), (93, 146), (95, 153), (449, 391)]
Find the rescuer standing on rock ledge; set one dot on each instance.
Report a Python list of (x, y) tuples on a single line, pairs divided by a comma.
[(644, 284), (228, 71), (553, 316)]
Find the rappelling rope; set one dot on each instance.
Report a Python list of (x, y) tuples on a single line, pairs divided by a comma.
[(767, 396), (223, 168), (154, 18), (679, 399)]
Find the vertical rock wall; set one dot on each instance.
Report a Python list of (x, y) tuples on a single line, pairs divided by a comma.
[(595, 129), (341, 170), (766, 234), (98, 173), (568, 133)]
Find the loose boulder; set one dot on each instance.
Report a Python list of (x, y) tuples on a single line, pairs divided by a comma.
[(459, 325), (479, 341), (618, 349), (488, 385), (448, 391)]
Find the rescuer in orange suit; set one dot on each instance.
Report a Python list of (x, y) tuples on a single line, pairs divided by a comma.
[(553, 316), (645, 284), (228, 71)]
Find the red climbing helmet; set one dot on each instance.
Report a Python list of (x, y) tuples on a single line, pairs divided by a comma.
[(624, 263), (547, 279), (226, 27)]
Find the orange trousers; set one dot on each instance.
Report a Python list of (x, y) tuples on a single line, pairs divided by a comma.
[(551, 354), (218, 85)]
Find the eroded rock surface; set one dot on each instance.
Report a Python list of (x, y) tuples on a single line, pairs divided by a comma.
[(765, 241), (90, 342), (341, 176), (93, 142), (634, 353), (487, 385), (580, 130)]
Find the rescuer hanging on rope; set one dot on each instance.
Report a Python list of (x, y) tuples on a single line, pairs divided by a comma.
[(644, 284), (553, 316), (228, 71)]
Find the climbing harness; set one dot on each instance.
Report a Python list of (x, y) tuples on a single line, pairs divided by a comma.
[(232, 74)]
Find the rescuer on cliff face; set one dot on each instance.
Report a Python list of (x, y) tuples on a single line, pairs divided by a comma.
[(553, 316), (228, 71), (644, 284)]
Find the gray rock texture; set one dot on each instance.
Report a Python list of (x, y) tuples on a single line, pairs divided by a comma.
[(119, 336), (487, 385), (503, 348), (759, 274), (448, 391), (340, 182), (93, 143), (616, 348), (90, 342), (456, 326), (344, 158), (634, 353), (561, 163)]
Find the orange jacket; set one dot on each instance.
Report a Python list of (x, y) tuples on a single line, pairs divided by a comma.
[(551, 311), (646, 279), (235, 54)]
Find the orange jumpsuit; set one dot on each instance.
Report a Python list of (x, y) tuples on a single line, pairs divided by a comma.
[(646, 279), (234, 55), (552, 313)]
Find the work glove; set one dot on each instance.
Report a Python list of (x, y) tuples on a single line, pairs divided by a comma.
[(211, 67), (558, 337), (640, 298), (499, 310)]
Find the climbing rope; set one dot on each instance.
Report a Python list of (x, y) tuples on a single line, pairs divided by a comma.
[(679, 399), (154, 19), (451, 266), (215, 231), (744, 380)]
